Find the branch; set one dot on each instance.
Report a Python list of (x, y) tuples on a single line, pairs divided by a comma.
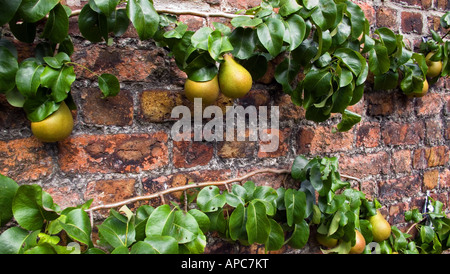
[(187, 12), (185, 187), (161, 194)]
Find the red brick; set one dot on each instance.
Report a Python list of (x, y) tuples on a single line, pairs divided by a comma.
[(425, 4), (320, 139), (117, 110), (394, 133), (433, 131), (412, 22), (192, 153), (399, 188), (283, 143), (369, 12), (430, 179), (387, 17), (25, 159), (368, 134), (431, 104), (123, 153), (443, 5), (445, 178), (363, 165), (401, 161), (383, 103), (64, 196), (11, 117)]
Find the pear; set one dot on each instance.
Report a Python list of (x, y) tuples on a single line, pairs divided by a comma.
[(381, 229), (234, 80), (208, 91), (360, 243), (326, 241)]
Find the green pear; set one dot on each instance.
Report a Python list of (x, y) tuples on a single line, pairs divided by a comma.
[(326, 241), (234, 80), (208, 91), (381, 229)]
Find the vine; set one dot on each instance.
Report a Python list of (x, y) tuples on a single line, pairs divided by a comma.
[(328, 41), (244, 213)]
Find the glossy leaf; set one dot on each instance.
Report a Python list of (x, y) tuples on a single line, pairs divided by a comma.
[(325, 14), (275, 240), (8, 69), (295, 30), (300, 235), (245, 21), (295, 202), (357, 18), (8, 188), (28, 77), (92, 25), (185, 227), (270, 34), (379, 62), (57, 25), (12, 240), (288, 7), (200, 38), (201, 218), (160, 221), (209, 199), (28, 207), (109, 85), (106, 6), (257, 225), (118, 22), (9, 8), (117, 232), (78, 226), (237, 223), (218, 44), (144, 18), (349, 119), (59, 81), (34, 10), (298, 171), (162, 244)]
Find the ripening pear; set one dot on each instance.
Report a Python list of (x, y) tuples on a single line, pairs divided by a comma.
[(381, 229), (56, 127), (360, 243), (234, 80), (326, 241), (208, 91)]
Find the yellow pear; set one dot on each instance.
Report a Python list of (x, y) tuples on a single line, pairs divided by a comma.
[(55, 127), (234, 80), (326, 241), (360, 244), (381, 229), (208, 91), (434, 67)]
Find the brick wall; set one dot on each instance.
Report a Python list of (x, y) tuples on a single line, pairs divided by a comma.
[(122, 146)]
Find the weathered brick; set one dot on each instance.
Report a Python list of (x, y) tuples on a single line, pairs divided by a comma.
[(431, 104), (362, 165), (396, 189), (369, 12), (430, 179), (412, 22), (395, 133), (235, 148), (192, 153), (123, 153), (387, 17), (194, 22), (433, 131), (401, 161), (320, 139), (445, 178), (117, 110), (443, 5), (430, 157), (393, 103), (283, 143), (289, 111), (425, 4), (157, 105), (25, 159), (65, 196), (11, 117), (368, 134)]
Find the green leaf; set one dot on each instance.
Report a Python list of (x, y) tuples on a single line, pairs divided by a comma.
[(162, 244), (357, 18), (270, 34), (57, 25), (237, 196), (59, 81), (117, 232), (201, 218), (426, 234), (287, 7), (201, 37), (379, 62), (34, 10), (350, 58), (92, 25), (28, 208), (144, 18), (388, 39), (118, 22), (445, 20), (9, 8), (276, 236), (310, 4), (40, 106), (160, 221), (185, 227), (12, 240), (237, 223), (106, 6), (295, 202), (15, 98), (217, 221), (300, 235), (109, 85), (257, 225), (8, 69), (286, 72), (8, 188), (349, 119), (218, 44), (177, 33), (295, 30), (23, 31), (209, 199), (325, 14), (298, 171), (318, 82), (196, 246), (78, 226), (245, 21)]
